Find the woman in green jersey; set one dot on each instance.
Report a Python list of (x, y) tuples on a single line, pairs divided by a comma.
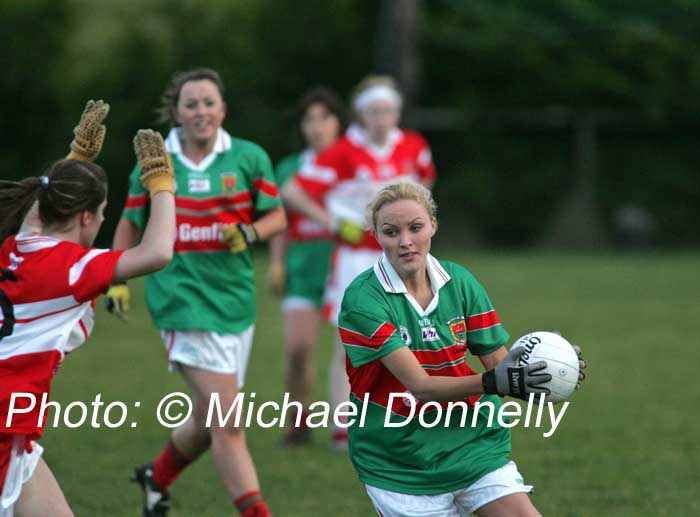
[(301, 258), (204, 302), (406, 324)]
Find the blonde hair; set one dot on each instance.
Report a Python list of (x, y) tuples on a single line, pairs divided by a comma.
[(398, 191)]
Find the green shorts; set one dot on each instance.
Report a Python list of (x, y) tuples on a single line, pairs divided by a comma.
[(307, 265)]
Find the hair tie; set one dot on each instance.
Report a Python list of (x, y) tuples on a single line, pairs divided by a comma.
[(44, 182)]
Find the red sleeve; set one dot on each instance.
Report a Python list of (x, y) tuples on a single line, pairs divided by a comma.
[(424, 159), (321, 175), (91, 274)]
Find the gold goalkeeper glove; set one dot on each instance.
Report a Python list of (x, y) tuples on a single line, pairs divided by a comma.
[(157, 174), (239, 237), (89, 134), (350, 232), (118, 300)]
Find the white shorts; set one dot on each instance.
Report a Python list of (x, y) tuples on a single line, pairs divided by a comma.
[(211, 351), (501, 482), (346, 265), (19, 470), (297, 303)]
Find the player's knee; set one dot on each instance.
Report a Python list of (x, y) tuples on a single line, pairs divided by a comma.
[(230, 431), (299, 356), (199, 414)]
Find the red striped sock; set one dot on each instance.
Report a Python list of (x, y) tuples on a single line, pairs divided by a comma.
[(168, 466), (251, 504)]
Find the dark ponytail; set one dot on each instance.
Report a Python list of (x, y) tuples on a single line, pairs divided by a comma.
[(16, 198), (68, 187)]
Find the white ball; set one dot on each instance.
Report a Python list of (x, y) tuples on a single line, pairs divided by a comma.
[(561, 358)]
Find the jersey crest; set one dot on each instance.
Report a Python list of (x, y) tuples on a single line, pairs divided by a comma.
[(458, 329), (228, 183), (405, 336)]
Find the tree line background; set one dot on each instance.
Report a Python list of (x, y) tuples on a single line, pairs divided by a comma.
[(568, 124)]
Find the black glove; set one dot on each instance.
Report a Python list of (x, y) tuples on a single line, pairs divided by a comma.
[(508, 378)]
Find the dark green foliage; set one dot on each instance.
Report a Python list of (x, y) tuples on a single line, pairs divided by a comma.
[(496, 65)]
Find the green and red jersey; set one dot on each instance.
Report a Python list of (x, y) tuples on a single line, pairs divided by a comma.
[(377, 317), (300, 227), (205, 287)]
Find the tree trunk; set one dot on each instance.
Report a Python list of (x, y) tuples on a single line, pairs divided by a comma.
[(396, 45), (577, 223)]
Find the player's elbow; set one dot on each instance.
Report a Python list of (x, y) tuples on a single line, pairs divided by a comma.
[(422, 389), (162, 258)]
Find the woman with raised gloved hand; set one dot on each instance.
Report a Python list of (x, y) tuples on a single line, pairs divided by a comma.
[(50, 278), (204, 301), (406, 324)]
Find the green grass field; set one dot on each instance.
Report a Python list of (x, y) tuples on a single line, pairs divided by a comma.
[(627, 445)]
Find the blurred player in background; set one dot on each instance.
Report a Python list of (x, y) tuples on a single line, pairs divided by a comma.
[(406, 324), (300, 258), (204, 302), (50, 278), (373, 152)]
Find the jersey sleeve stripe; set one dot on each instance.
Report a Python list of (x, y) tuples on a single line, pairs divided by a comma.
[(77, 269), (266, 187), (482, 321), (375, 341), (136, 201)]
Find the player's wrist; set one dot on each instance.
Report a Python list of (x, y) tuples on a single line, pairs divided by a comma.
[(249, 232), (157, 184), (75, 155), (488, 383)]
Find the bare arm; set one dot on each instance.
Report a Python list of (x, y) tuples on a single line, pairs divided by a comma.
[(156, 248), (406, 368), (278, 248), (294, 196), (271, 223), (491, 360), (127, 235)]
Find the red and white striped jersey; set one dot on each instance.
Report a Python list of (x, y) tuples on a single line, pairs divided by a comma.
[(350, 172), (47, 292)]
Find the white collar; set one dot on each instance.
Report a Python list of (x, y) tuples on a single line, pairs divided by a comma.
[(358, 136), (29, 242), (307, 156), (173, 145), (392, 283)]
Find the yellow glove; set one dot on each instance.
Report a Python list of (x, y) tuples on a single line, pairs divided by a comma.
[(117, 300), (277, 278), (350, 232), (157, 174), (239, 237), (89, 134)]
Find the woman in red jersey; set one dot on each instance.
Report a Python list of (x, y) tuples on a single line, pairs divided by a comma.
[(50, 278), (373, 152)]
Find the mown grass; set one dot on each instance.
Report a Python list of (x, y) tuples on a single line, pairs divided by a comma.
[(627, 444)]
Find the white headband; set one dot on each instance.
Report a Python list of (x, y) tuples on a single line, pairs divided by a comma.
[(379, 92)]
